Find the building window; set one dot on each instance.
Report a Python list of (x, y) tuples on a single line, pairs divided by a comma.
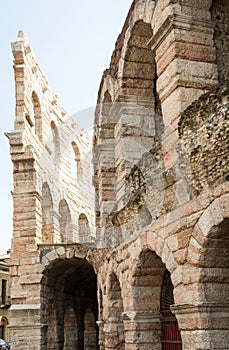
[(4, 291), (76, 166), (84, 228), (37, 114)]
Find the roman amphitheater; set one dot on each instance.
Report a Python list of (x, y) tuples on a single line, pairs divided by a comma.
[(136, 256)]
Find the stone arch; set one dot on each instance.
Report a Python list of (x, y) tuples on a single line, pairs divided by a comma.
[(138, 68), (212, 217), (76, 166), (84, 228), (37, 114), (65, 222), (144, 321), (69, 289), (4, 322), (47, 214), (214, 261), (113, 315), (220, 16)]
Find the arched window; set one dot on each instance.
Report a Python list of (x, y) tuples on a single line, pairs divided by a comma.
[(84, 229), (47, 214), (37, 114), (54, 142), (76, 166), (3, 326), (107, 101), (65, 222)]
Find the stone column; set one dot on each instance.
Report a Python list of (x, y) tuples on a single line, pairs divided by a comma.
[(25, 327), (25, 270), (203, 325), (142, 330), (100, 324), (185, 59), (186, 68)]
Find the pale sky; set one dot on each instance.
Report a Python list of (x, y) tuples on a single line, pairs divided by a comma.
[(73, 41)]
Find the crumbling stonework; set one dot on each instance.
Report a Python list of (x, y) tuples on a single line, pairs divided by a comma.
[(155, 274)]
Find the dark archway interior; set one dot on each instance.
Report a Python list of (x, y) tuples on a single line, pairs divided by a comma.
[(153, 288), (170, 333), (70, 305), (215, 263)]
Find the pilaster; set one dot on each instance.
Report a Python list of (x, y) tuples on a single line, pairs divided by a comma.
[(203, 325)]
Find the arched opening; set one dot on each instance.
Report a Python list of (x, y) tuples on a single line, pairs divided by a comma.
[(84, 228), (151, 297), (220, 16), (113, 316), (214, 278), (37, 114), (65, 222), (139, 128), (106, 106), (47, 214), (54, 141), (170, 333), (76, 166), (139, 67), (3, 327), (70, 309), (215, 263)]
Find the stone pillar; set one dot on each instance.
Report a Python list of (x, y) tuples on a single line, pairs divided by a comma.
[(100, 324), (142, 330), (90, 331), (203, 325), (185, 59), (113, 335), (25, 328), (134, 136), (25, 270), (186, 67), (104, 178)]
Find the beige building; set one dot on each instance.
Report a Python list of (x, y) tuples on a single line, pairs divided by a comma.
[(4, 296), (148, 266)]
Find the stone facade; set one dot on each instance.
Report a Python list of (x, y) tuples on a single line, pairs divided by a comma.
[(155, 271)]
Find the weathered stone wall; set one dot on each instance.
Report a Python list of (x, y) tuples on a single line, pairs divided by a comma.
[(51, 158), (169, 178), (160, 176)]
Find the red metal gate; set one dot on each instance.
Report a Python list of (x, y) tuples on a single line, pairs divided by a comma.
[(170, 337)]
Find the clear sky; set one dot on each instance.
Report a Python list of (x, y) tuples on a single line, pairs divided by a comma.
[(73, 41)]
